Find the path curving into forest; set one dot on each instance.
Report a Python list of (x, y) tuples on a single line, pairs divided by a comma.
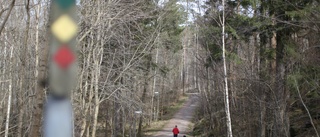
[(183, 118)]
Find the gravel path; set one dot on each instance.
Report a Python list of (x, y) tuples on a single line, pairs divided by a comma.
[(182, 119)]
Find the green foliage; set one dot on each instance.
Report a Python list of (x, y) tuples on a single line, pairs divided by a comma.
[(270, 54), (243, 26), (211, 40), (233, 32), (247, 3), (171, 26), (216, 54), (291, 50), (304, 78), (263, 20), (292, 79), (199, 127), (234, 58)]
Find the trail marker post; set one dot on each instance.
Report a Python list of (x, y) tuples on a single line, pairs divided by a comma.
[(139, 112), (58, 119)]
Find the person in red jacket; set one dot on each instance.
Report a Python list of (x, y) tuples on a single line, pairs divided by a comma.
[(175, 131)]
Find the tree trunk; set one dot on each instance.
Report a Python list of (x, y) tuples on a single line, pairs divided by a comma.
[(9, 96), (35, 130), (115, 116), (226, 93), (97, 103), (281, 95), (7, 16), (106, 133), (23, 86), (183, 69), (37, 52), (144, 94), (84, 97), (97, 64), (37, 115), (262, 77), (154, 87)]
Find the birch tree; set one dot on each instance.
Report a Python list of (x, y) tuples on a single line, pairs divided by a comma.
[(226, 93)]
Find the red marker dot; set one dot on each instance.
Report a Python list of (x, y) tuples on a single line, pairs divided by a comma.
[(64, 57)]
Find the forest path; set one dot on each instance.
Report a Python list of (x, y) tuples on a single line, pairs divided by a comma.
[(182, 118)]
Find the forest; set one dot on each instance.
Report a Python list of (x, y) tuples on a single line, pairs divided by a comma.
[(252, 65)]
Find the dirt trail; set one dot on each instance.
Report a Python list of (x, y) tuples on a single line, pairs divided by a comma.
[(182, 119)]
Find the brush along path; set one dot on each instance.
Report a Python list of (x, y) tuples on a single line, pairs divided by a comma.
[(182, 119)]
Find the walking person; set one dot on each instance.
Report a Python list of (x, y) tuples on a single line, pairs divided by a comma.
[(175, 131)]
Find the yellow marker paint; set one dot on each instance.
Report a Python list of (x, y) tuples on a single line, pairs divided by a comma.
[(64, 28)]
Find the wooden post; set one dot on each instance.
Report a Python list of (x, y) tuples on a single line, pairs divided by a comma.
[(58, 118)]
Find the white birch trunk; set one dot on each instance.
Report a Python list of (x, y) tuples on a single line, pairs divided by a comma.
[(9, 97), (36, 72), (2, 83), (154, 86), (226, 93), (183, 68)]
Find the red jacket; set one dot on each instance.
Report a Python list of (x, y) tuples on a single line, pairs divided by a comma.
[(175, 131)]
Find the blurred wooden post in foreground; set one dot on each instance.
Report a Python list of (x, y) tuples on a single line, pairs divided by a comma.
[(58, 119)]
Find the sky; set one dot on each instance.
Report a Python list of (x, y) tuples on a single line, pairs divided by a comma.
[(192, 6)]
